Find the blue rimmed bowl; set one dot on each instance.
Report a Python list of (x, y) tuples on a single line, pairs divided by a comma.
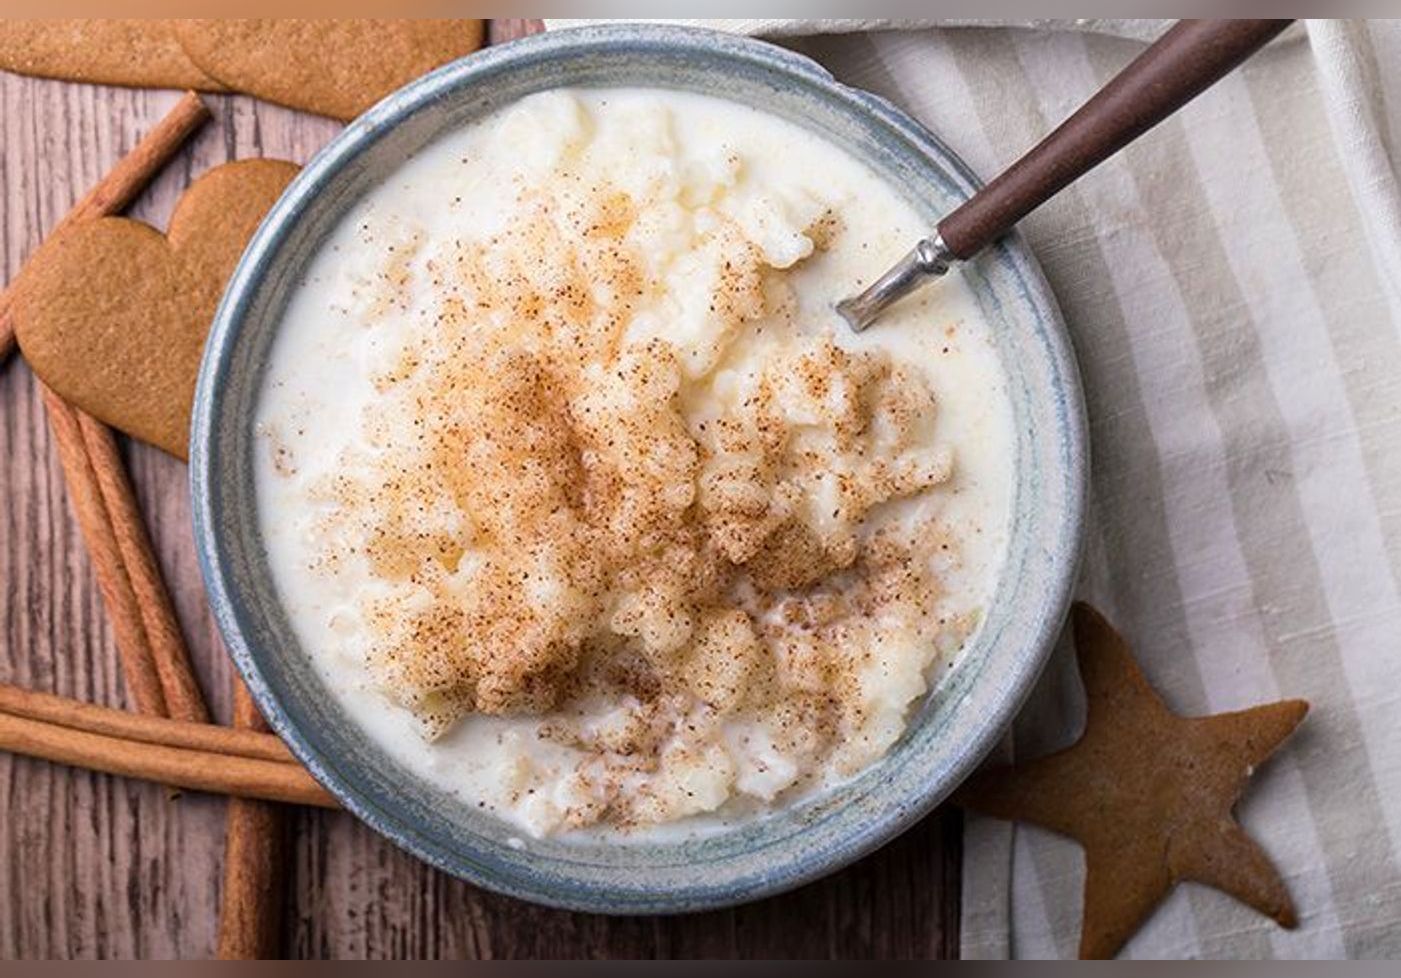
[(959, 720)]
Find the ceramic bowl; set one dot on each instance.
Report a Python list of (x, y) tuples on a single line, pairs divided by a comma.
[(955, 726)]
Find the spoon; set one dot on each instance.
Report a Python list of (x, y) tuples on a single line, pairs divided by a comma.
[(1180, 65)]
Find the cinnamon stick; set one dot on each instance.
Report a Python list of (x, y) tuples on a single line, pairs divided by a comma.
[(250, 917), (154, 659), (183, 699), (85, 493), (199, 770), (140, 728)]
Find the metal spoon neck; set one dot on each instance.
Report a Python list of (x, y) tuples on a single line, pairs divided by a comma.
[(927, 260)]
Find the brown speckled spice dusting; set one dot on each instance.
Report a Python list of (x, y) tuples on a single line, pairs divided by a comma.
[(556, 522)]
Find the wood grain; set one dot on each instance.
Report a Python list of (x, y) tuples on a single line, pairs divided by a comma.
[(96, 866)]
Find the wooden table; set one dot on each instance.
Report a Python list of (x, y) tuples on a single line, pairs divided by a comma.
[(97, 866)]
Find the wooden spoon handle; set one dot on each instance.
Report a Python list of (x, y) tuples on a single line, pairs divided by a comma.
[(1186, 60)]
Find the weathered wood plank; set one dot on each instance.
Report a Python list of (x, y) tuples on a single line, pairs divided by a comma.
[(101, 867)]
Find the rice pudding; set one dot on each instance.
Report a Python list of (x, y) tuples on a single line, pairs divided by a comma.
[(583, 500)]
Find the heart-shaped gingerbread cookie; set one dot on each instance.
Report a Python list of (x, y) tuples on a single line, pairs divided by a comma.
[(113, 315), (337, 68)]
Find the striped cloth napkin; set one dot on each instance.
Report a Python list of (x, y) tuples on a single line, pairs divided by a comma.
[(1233, 286)]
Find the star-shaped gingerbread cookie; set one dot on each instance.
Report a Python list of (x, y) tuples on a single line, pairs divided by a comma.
[(1148, 794)]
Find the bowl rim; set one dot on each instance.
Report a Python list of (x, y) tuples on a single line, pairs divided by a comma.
[(214, 553)]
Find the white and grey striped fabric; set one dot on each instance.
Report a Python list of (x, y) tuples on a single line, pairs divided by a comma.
[(1233, 286)]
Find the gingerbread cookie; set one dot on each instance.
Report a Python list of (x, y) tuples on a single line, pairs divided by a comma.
[(1149, 794), (337, 68), (113, 315), (139, 53)]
